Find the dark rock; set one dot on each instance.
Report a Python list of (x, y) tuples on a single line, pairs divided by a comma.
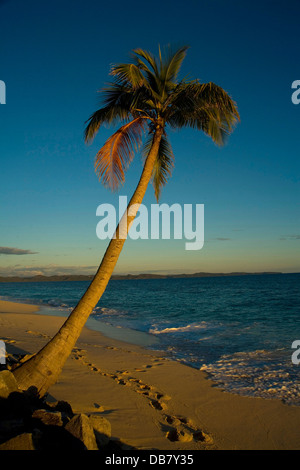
[(56, 438), (62, 406), (102, 429), (29, 422), (48, 418), (8, 383), (10, 428), (80, 427), (17, 405), (22, 442)]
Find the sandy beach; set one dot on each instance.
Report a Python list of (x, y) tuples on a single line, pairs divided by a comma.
[(151, 401)]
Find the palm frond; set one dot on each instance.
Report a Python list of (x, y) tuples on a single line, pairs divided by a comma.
[(121, 103), (206, 107), (122, 96), (151, 72), (151, 80), (93, 124), (217, 98), (117, 104), (163, 165), (114, 157), (107, 115), (128, 73), (148, 57), (171, 65)]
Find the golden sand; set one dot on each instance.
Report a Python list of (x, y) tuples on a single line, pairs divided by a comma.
[(151, 401)]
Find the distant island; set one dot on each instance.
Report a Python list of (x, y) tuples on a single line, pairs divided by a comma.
[(74, 277)]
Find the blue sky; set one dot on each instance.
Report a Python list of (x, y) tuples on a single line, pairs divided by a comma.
[(56, 55)]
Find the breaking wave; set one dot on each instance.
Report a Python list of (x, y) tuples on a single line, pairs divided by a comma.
[(179, 329), (260, 373)]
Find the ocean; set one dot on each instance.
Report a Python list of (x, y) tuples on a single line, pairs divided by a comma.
[(238, 329)]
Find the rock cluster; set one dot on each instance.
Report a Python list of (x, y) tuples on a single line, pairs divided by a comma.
[(30, 423)]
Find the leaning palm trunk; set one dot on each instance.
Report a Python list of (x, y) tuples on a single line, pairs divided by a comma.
[(43, 369), (146, 95)]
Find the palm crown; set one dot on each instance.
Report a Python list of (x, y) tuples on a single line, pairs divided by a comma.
[(145, 95)]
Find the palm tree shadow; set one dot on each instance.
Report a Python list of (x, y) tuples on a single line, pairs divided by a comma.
[(12, 349), (14, 355)]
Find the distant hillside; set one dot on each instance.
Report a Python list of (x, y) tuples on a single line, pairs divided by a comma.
[(125, 277)]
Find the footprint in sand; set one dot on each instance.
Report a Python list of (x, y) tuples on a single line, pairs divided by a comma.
[(158, 396), (9, 341), (158, 405), (138, 381), (183, 430), (123, 372), (37, 333), (79, 351), (154, 397), (147, 366), (182, 435), (180, 428), (158, 359), (121, 382), (145, 387), (178, 420)]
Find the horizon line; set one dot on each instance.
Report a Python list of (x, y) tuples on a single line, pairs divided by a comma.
[(82, 277)]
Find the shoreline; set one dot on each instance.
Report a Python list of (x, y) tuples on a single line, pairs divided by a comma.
[(152, 401), (260, 385), (136, 337)]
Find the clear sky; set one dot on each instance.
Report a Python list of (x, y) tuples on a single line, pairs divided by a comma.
[(56, 55)]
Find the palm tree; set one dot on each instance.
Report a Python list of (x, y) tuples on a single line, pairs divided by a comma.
[(146, 97)]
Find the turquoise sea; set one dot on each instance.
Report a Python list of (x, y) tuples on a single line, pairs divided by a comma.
[(239, 329)]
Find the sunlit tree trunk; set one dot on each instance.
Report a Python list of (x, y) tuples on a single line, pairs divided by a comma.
[(43, 369)]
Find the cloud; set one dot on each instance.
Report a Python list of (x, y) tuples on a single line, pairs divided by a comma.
[(5, 250)]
